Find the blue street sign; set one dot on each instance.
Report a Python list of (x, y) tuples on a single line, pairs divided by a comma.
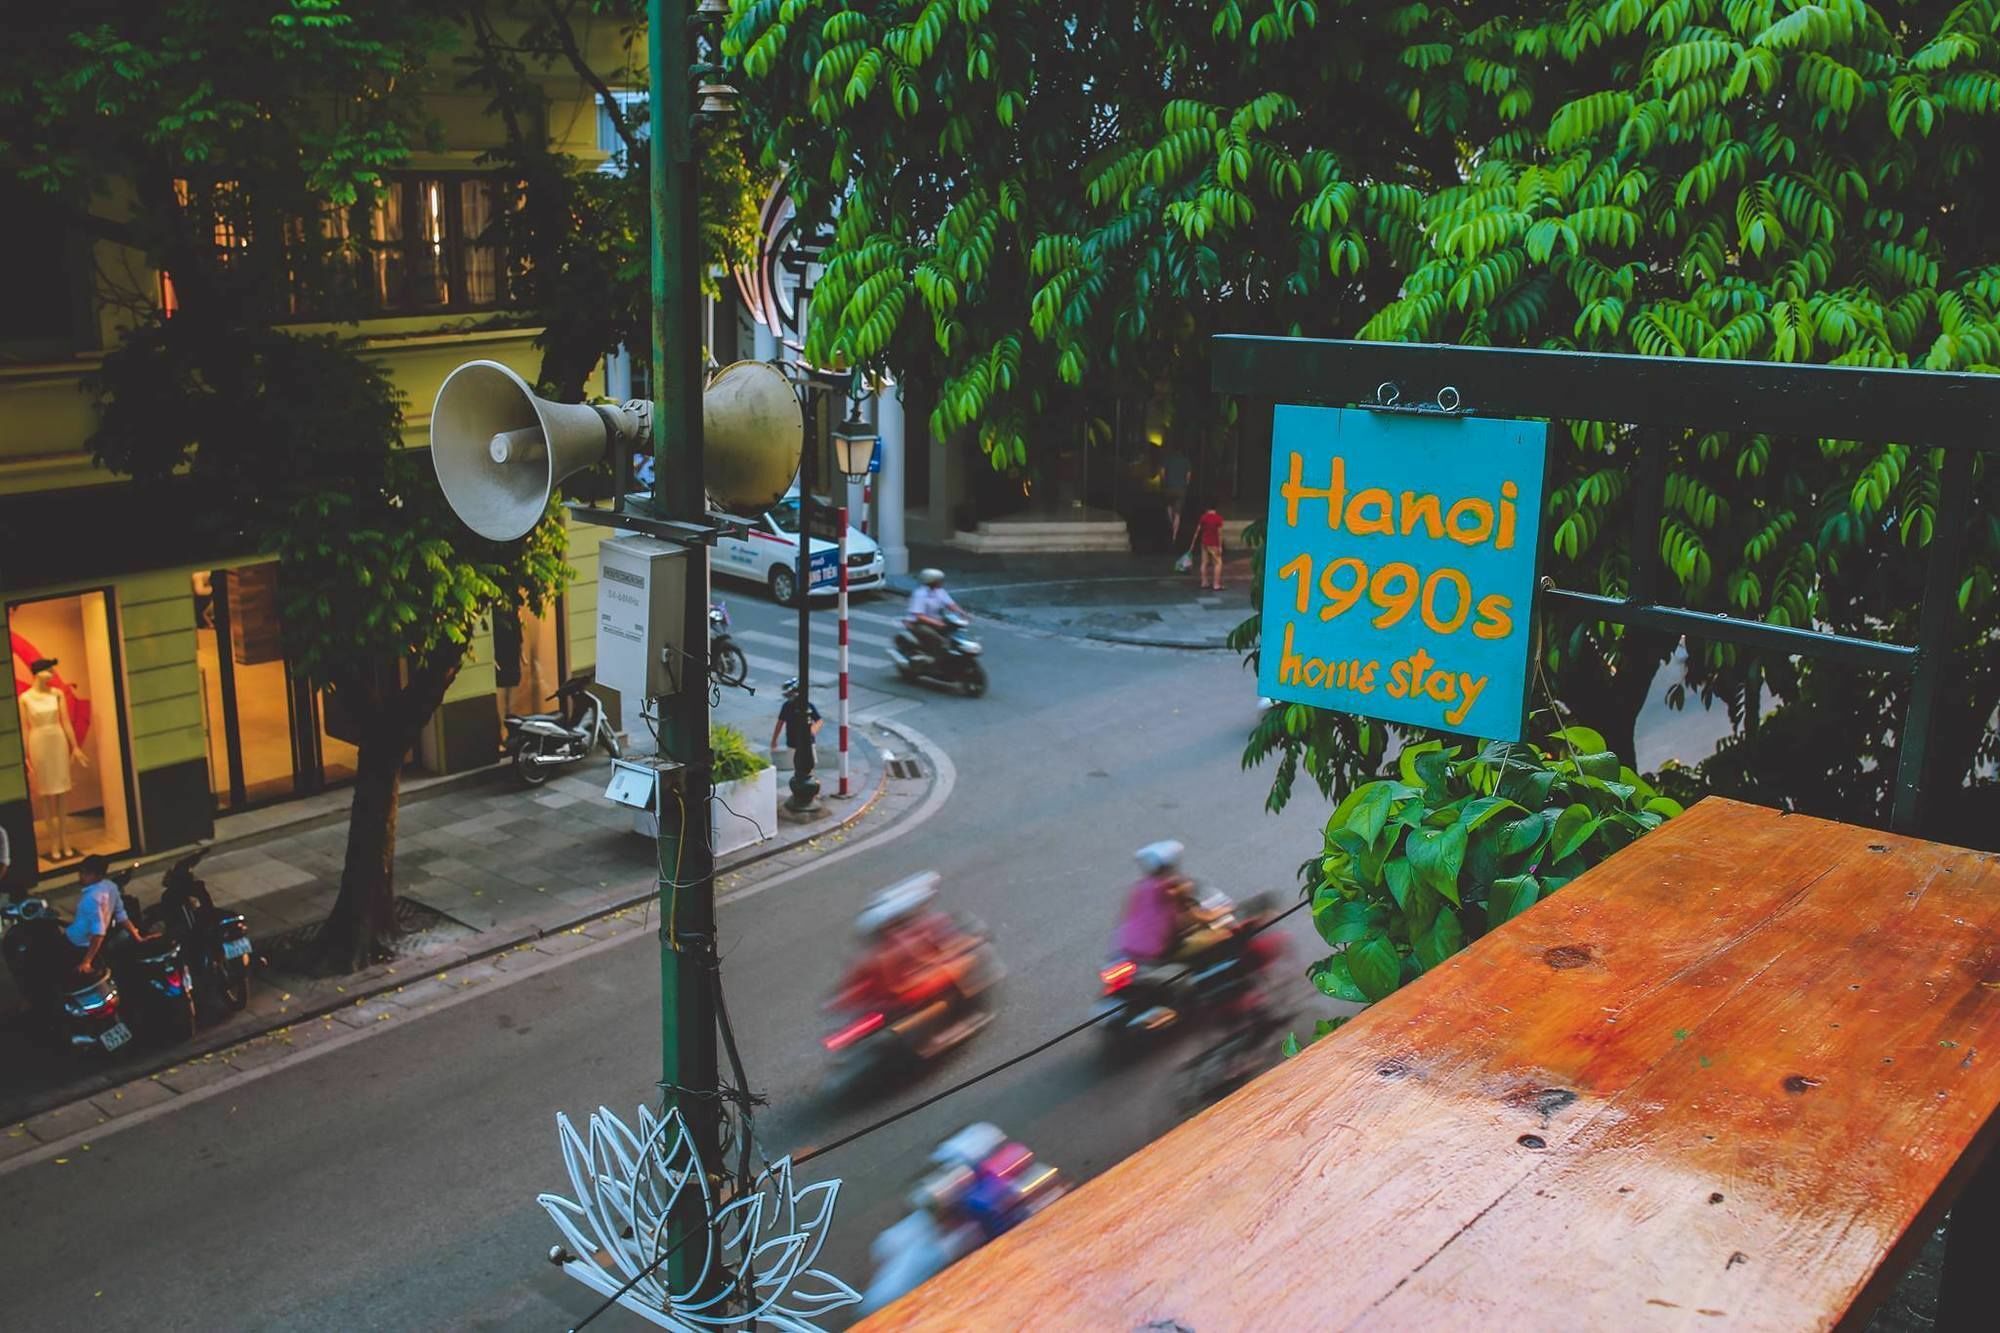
[(1399, 566), (825, 568)]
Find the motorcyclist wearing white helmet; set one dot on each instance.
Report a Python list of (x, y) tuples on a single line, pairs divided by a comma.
[(909, 946), (928, 605), (1163, 915)]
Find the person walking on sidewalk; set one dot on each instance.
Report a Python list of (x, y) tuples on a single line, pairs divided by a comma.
[(798, 719), (1208, 539)]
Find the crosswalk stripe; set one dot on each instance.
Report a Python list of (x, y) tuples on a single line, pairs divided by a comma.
[(856, 664), (891, 709), (784, 670), (830, 642), (875, 617)]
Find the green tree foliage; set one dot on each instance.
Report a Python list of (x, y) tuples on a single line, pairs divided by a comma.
[(1037, 198), (258, 116), (1029, 195), (581, 235)]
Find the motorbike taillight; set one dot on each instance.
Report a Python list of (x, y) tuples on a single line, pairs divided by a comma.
[(1119, 975), (853, 1032)]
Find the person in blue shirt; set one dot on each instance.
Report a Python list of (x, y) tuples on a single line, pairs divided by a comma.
[(101, 908)]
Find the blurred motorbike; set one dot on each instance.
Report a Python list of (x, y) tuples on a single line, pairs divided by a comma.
[(1142, 998), (923, 984), (980, 1184)]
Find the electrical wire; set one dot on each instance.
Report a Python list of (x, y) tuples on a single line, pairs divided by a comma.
[(717, 797), (637, 1278)]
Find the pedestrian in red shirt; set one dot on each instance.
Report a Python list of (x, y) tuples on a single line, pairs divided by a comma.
[(1208, 536)]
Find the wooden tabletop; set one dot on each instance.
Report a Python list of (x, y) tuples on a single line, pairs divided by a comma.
[(1714, 1083)]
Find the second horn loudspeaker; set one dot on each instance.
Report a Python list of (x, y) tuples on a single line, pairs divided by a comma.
[(752, 432)]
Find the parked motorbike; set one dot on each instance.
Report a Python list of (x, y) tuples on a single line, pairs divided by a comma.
[(957, 664), (66, 1010), (981, 1184), (875, 1037), (540, 743), (1141, 999), (726, 661), (216, 943)]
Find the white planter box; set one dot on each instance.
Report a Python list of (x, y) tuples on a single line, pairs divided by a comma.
[(755, 803), (753, 798)]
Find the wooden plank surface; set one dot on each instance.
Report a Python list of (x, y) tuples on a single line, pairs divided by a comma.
[(1712, 1083)]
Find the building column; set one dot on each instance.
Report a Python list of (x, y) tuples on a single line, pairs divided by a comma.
[(764, 343), (888, 514)]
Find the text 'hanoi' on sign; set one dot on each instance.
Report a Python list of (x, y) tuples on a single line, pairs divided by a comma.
[(1399, 566)]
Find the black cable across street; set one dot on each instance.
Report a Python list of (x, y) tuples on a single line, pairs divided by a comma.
[(638, 1277)]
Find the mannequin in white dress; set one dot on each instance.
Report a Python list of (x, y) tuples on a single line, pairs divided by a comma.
[(51, 746)]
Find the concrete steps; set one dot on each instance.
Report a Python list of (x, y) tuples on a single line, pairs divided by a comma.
[(1093, 532)]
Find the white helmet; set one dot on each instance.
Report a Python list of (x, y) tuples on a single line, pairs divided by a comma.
[(970, 1146), (897, 901), (931, 578), (1158, 857)]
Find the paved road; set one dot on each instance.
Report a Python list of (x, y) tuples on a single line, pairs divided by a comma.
[(390, 1184)]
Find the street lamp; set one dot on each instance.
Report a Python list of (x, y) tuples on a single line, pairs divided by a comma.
[(854, 444)]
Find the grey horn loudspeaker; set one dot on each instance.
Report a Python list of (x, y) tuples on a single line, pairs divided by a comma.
[(500, 451)]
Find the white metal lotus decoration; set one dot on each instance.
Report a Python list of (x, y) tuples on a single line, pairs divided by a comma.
[(627, 1184)]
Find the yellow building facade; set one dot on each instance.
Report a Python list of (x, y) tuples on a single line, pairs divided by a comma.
[(170, 702)]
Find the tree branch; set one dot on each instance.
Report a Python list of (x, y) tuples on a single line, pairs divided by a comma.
[(566, 38)]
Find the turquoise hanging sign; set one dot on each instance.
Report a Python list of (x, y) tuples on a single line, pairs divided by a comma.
[(1400, 566)]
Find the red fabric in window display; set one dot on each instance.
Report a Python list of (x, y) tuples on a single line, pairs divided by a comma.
[(79, 708)]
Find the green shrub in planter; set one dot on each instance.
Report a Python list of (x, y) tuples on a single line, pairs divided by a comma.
[(1413, 870), (734, 758)]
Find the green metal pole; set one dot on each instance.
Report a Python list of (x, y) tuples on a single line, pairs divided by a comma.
[(687, 870)]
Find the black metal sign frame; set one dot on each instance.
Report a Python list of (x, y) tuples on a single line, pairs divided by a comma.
[(1954, 411)]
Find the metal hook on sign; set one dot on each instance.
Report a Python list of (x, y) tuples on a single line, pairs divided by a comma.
[(1388, 398)]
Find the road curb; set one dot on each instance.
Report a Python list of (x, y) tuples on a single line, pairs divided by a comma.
[(392, 983)]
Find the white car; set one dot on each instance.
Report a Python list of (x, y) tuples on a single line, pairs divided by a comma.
[(769, 554)]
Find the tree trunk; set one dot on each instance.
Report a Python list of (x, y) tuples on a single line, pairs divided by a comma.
[(362, 926)]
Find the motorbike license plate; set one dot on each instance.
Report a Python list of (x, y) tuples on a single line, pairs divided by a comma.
[(235, 948), (115, 1036)]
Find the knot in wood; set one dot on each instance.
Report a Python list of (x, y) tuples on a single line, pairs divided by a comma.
[(1564, 956)]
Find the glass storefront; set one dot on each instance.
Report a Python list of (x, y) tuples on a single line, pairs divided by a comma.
[(267, 737), (73, 746)]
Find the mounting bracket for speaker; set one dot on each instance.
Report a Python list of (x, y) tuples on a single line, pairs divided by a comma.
[(674, 530)]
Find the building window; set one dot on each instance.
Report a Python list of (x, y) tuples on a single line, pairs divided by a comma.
[(428, 243), (40, 312), (635, 110), (433, 245)]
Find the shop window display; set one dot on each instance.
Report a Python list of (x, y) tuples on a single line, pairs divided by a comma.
[(66, 693), (267, 738)]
